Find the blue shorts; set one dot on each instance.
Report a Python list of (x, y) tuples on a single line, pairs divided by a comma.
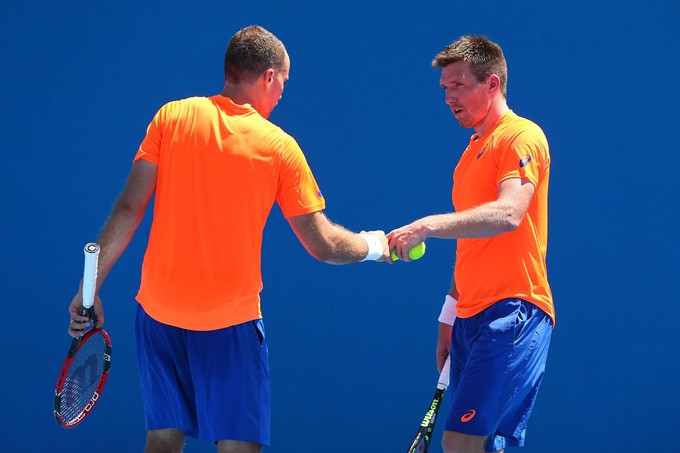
[(497, 365), (211, 385)]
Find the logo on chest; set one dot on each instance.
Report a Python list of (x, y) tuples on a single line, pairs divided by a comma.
[(483, 149)]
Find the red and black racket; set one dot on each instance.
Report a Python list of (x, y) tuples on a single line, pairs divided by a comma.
[(86, 368), (421, 441)]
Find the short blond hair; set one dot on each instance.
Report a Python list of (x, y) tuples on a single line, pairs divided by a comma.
[(485, 56), (250, 52)]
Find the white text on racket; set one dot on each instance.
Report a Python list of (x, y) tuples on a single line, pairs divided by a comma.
[(88, 408), (430, 414)]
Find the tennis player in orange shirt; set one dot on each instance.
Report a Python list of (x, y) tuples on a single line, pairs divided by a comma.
[(500, 298), (216, 165)]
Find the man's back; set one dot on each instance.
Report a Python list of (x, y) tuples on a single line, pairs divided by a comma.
[(221, 166)]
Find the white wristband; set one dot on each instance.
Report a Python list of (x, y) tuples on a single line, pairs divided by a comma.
[(448, 314), (375, 247)]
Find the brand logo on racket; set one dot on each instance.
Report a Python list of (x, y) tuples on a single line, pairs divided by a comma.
[(431, 414), (469, 415), (86, 410)]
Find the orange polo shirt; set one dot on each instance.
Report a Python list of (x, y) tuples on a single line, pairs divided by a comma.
[(513, 264), (221, 166)]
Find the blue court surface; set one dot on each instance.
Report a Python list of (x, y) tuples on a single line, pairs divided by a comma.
[(352, 348)]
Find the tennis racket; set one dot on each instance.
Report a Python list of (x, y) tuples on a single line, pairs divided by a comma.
[(86, 367), (421, 441)]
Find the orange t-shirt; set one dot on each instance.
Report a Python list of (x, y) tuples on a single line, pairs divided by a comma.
[(221, 166), (513, 264)]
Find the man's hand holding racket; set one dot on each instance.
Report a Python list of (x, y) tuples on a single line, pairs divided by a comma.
[(84, 372), (423, 437), (80, 322)]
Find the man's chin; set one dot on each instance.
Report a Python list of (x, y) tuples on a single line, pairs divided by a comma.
[(464, 124)]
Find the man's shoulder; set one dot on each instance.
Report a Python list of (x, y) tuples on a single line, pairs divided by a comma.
[(522, 123), (190, 103), (195, 102), (515, 125)]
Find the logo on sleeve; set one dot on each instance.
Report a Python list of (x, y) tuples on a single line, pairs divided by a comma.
[(469, 415), (524, 161)]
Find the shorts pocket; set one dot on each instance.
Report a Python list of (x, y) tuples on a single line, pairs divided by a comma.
[(259, 328)]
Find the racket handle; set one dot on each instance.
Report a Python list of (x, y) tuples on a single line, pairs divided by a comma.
[(444, 375), (90, 275)]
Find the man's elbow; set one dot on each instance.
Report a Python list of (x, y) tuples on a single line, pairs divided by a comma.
[(322, 252), (512, 221), (329, 253), (128, 211), (510, 218), (322, 255)]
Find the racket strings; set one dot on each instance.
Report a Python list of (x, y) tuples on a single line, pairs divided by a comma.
[(83, 377)]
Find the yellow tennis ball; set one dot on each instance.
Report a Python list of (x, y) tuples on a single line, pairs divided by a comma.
[(415, 253)]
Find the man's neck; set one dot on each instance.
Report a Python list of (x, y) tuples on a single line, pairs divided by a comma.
[(497, 110), (239, 94)]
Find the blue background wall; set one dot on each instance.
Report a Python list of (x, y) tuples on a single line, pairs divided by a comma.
[(352, 348)]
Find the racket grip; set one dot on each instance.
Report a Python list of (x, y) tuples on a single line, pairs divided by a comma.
[(90, 275), (444, 375), (89, 312)]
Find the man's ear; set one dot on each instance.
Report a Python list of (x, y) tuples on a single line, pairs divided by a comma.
[(269, 76), (494, 83)]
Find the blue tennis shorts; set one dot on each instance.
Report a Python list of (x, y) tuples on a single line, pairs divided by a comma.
[(497, 365), (211, 385)]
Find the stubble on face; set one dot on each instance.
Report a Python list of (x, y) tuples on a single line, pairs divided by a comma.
[(463, 94)]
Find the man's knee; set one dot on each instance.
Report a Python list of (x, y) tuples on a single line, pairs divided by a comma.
[(164, 441), (234, 446), (454, 442)]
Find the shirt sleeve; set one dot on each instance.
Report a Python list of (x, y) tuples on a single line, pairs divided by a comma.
[(298, 192), (524, 156), (150, 149)]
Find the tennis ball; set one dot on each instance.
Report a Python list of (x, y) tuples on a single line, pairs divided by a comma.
[(415, 253)]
